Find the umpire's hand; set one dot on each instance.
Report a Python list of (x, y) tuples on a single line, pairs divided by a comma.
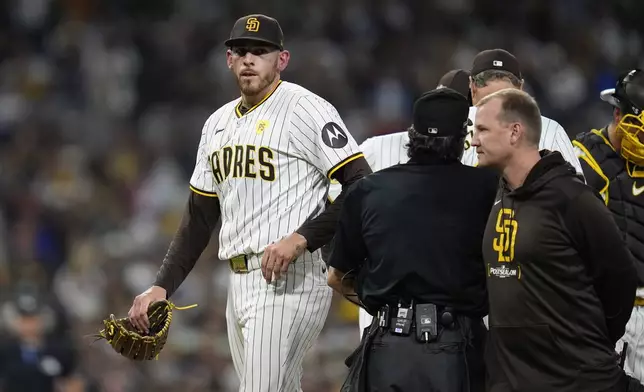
[(138, 313), (278, 256)]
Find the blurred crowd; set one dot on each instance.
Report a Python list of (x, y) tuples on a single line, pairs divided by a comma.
[(101, 108)]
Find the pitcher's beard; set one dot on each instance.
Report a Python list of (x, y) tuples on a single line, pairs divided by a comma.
[(249, 87)]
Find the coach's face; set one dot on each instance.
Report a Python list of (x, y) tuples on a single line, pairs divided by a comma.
[(492, 138), (256, 65)]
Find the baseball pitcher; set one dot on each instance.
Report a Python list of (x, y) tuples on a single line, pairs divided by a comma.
[(263, 167)]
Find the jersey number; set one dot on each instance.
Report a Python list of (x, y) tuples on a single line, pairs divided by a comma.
[(247, 161)]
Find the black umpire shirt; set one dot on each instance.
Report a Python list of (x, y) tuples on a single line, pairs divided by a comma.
[(414, 231)]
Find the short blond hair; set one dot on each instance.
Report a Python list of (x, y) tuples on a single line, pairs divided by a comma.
[(518, 106)]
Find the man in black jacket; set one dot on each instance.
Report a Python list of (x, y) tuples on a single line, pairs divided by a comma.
[(561, 281), (408, 243)]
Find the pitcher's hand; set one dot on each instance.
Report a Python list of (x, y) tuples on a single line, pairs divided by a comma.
[(278, 256), (138, 313)]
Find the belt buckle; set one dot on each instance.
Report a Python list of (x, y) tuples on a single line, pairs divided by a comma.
[(639, 301), (239, 264)]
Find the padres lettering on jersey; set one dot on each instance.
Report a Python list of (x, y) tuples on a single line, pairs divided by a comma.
[(246, 161), (270, 167)]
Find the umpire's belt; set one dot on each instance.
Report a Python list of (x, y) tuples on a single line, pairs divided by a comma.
[(244, 263), (446, 316)]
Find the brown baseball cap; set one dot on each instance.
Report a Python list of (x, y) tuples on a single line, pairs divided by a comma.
[(496, 59), (457, 79), (256, 27)]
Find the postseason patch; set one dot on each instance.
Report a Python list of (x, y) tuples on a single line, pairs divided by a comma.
[(333, 136)]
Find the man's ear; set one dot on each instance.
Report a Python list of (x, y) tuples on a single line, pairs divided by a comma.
[(229, 58), (473, 92), (517, 131), (283, 59)]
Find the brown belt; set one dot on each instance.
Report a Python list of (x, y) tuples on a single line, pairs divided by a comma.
[(639, 301)]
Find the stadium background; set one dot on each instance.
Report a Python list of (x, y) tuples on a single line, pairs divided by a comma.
[(101, 107)]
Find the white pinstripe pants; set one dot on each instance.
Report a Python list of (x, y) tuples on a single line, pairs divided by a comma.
[(271, 327), (634, 336)]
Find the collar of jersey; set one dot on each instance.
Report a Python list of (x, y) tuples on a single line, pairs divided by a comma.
[(239, 114)]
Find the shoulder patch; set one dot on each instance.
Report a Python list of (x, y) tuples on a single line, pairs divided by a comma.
[(334, 136)]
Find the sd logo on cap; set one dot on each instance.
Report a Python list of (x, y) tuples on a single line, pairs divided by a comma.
[(259, 28)]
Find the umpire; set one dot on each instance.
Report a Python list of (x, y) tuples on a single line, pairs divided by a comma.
[(408, 249)]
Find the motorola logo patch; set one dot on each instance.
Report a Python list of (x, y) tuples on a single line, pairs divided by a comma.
[(333, 136)]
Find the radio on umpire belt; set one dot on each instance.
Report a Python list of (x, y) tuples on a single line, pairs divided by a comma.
[(426, 322), (401, 324)]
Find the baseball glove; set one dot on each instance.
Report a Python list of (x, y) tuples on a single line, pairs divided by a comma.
[(130, 343)]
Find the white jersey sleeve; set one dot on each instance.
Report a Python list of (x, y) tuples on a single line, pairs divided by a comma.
[(202, 180), (469, 157), (555, 138), (369, 154), (320, 136)]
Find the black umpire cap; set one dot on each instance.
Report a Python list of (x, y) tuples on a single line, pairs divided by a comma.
[(256, 27), (496, 59), (442, 112)]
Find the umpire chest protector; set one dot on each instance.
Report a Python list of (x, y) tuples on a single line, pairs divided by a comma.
[(621, 184)]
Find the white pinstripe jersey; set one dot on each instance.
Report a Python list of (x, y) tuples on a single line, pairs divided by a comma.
[(270, 167), (388, 150)]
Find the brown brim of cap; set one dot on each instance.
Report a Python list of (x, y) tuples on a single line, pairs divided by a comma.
[(608, 95), (231, 42)]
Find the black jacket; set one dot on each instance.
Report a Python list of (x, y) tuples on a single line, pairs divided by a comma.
[(561, 285), (414, 232)]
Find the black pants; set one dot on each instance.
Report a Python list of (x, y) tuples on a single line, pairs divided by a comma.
[(401, 363), (628, 384)]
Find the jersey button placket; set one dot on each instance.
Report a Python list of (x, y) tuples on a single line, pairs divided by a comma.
[(240, 122)]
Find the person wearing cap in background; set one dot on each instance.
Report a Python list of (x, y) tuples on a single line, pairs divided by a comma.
[(561, 281), (457, 79), (263, 166), (613, 163), (408, 250), (386, 150), (32, 359), (497, 69)]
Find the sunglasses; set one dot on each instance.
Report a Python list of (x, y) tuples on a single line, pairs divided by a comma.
[(254, 50)]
